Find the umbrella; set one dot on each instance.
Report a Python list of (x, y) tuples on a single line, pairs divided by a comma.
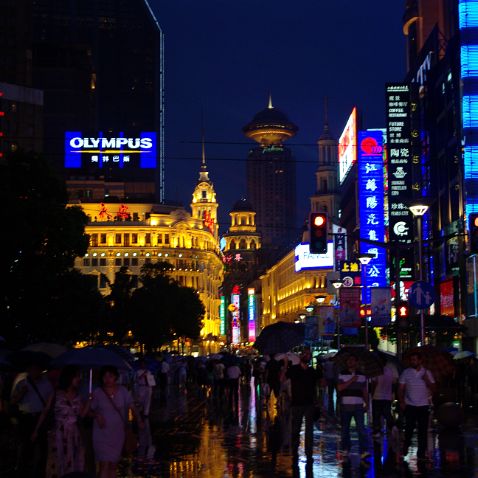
[(369, 362), (439, 362), (463, 355), (294, 359), (280, 337), (91, 357), (50, 349), (22, 359)]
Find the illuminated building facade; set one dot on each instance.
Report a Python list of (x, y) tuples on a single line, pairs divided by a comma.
[(271, 177), (241, 261), (133, 234)]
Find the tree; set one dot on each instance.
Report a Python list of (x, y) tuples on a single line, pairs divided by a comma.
[(162, 308), (38, 252)]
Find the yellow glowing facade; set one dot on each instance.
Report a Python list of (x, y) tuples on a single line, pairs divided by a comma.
[(131, 235), (286, 293)]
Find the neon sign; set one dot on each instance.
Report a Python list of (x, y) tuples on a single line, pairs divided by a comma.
[(305, 260), (251, 314), (222, 316), (348, 146), (371, 207), (100, 151), (236, 313)]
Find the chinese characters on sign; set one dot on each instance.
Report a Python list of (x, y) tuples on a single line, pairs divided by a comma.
[(350, 307), (372, 212)]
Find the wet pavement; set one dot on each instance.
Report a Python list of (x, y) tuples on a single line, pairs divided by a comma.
[(201, 434)]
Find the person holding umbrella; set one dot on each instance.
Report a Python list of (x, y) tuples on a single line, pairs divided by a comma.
[(352, 388)]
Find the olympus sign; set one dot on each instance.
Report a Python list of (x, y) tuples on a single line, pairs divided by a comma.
[(111, 143)]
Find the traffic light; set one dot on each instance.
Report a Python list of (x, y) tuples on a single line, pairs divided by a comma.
[(474, 233), (403, 311), (318, 233)]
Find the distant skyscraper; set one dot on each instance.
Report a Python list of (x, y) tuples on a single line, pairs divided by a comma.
[(100, 64), (271, 178)]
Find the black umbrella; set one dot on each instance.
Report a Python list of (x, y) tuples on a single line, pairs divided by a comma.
[(280, 337), (369, 362)]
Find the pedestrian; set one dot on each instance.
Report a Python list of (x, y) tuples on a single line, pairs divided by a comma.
[(163, 379), (352, 389), (218, 374), (382, 397), (272, 375), (330, 377), (416, 387), (66, 450), (303, 386), (110, 406), (30, 395), (233, 373), (143, 387)]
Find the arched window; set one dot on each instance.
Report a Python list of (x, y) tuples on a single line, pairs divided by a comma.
[(253, 244), (233, 244), (242, 244)]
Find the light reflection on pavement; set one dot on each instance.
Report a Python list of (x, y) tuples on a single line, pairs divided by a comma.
[(200, 435)]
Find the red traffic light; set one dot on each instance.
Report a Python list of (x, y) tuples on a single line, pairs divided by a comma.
[(319, 220), (403, 311), (318, 233)]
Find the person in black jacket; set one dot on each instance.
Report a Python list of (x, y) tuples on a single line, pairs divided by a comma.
[(304, 380)]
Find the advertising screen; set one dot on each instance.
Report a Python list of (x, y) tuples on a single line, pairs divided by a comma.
[(120, 151), (251, 314), (348, 146)]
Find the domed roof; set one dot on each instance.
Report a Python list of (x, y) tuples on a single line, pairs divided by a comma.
[(270, 126), (242, 205)]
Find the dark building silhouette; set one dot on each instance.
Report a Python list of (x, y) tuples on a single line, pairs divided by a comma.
[(271, 179), (100, 66)]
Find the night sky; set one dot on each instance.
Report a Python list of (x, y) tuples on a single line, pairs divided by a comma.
[(223, 57)]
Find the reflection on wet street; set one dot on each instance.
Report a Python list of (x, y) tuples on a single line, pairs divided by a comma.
[(200, 433)]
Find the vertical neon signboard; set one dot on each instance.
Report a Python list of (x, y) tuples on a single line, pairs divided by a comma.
[(222, 316), (371, 207), (236, 313), (468, 23), (251, 314)]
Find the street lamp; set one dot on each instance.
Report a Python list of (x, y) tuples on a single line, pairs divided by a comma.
[(320, 299), (418, 210), (365, 259)]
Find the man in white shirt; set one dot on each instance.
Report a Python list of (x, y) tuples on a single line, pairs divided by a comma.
[(416, 387), (233, 373), (382, 398), (143, 387)]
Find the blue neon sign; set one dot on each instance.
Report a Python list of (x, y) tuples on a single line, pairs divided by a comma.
[(119, 151), (371, 207)]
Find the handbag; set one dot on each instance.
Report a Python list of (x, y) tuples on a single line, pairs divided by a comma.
[(130, 437)]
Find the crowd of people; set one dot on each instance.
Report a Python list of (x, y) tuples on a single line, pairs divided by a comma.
[(64, 426)]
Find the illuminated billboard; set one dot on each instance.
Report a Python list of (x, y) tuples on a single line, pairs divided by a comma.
[(371, 209), (348, 146), (236, 314), (222, 316), (305, 260), (251, 314), (102, 151)]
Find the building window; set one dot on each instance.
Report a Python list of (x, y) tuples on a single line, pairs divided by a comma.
[(147, 238), (253, 244), (135, 216), (204, 194), (118, 262), (147, 260), (126, 262), (233, 244), (134, 238), (94, 262), (242, 244), (102, 262), (94, 240), (166, 238), (102, 238), (86, 262), (117, 238), (134, 261), (160, 238)]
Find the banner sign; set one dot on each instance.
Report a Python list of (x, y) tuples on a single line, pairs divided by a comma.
[(371, 208), (311, 334), (327, 325), (350, 273), (350, 307), (381, 306)]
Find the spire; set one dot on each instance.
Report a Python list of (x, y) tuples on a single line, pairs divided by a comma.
[(270, 101), (203, 173)]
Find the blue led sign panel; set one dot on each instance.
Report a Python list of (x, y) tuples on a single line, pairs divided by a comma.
[(371, 207), (468, 14), (469, 61), (119, 151)]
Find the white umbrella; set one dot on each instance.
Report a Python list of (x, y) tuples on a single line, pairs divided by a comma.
[(463, 355), (293, 358)]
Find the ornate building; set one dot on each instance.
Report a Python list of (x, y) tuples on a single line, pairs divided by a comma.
[(131, 235)]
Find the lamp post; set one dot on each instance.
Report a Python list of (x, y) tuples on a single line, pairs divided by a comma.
[(337, 284), (418, 210), (365, 259)]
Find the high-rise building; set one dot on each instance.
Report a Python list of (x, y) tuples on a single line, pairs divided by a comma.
[(100, 65), (271, 179)]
